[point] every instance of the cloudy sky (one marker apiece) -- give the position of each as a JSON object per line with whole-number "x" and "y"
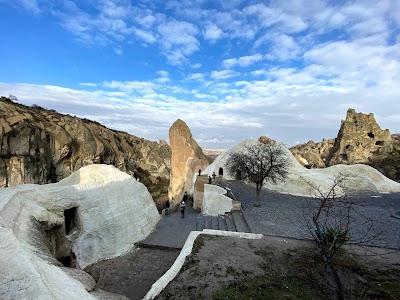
{"x": 231, "y": 69}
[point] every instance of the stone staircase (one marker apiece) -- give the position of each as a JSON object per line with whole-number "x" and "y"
{"x": 237, "y": 221}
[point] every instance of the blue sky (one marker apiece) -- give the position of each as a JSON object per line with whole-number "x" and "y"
{"x": 230, "y": 69}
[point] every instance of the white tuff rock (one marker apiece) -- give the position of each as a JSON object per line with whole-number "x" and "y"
{"x": 108, "y": 212}
{"x": 359, "y": 178}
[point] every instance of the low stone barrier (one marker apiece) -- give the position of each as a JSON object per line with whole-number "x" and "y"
{"x": 161, "y": 283}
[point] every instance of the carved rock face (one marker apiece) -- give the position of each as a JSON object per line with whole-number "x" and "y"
{"x": 312, "y": 154}
{"x": 42, "y": 146}
{"x": 360, "y": 140}
{"x": 186, "y": 160}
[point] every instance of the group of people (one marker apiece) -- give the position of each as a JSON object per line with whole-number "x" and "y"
{"x": 182, "y": 205}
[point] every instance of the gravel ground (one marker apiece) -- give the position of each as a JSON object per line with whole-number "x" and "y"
{"x": 282, "y": 214}
{"x": 133, "y": 274}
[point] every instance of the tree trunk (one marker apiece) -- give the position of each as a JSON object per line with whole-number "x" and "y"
{"x": 332, "y": 272}
{"x": 338, "y": 283}
{"x": 258, "y": 189}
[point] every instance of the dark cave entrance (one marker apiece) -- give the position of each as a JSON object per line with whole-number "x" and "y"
{"x": 221, "y": 172}
{"x": 59, "y": 237}
{"x": 68, "y": 261}
{"x": 71, "y": 220}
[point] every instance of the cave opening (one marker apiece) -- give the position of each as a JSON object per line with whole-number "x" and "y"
{"x": 343, "y": 156}
{"x": 221, "y": 172}
{"x": 71, "y": 220}
{"x": 371, "y": 135}
{"x": 379, "y": 143}
{"x": 68, "y": 261}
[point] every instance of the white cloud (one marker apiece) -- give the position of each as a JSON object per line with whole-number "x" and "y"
{"x": 141, "y": 87}
{"x": 281, "y": 46}
{"x": 212, "y": 32}
{"x": 222, "y": 74}
{"x": 196, "y": 77}
{"x": 269, "y": 17}
{"x": 178, "y": 40}
{"x": 91, "y": 84}
{"x": 258, "y": 72}
{"x": 118, "y": 51}
{"x": 31, "y": 6}
{"x": 163, "y": 73}
{"x": 234, "y": 24}
{"x": 243, "y": 61}
{"x": 144, "y": 35}
{"x": 164, "y": 77}
{"x": 111, "y": 9}
{"x": 204, "y": 96}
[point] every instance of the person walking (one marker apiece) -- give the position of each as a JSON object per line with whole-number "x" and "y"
{"x": 166, "y": 206}
{"x": 213, "y": 175}
{"x": 200, "y": 172}
{"x": 182, "y": 206}
{"x": 209, "y": 179}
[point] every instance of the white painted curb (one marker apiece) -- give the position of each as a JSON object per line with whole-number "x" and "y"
{"x": 161, "y": 283}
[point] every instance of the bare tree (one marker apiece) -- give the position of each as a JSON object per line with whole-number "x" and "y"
{"x": 259, "y": 162}
{"x": 13, "y": 98}
{"x": 333, "y": 221}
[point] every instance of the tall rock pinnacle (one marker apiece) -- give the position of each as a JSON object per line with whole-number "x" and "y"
{"x": 186, "y": 159}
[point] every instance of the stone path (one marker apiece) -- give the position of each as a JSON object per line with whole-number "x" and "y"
{"x": 282, "y": 214}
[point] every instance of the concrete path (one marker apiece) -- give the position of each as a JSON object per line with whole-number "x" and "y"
{"x": 172, "y": 230}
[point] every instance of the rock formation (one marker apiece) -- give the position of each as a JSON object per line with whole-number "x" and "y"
{"x": 312, "y": 154}
{"x": 359, "y": 178}
{"x": 186, "y": 160}
{"x": 42, "y": 146}
{"x": 97, "y": 213}
{"x": 360, "y": 140}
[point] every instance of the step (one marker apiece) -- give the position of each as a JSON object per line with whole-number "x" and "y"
{"x": 222, "y": 223}
{"x": 208, "y": 223}
{"x": 250, "y": 222}
{"x": 240, "y": 222}
{"x": 200, "y": 224}
{"x": 229, "y": 222}
{"x": 214, "y": 223}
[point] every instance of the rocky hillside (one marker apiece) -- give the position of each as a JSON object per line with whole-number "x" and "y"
{"x": 360, "y": 140}
{"x": 43, "y": 146}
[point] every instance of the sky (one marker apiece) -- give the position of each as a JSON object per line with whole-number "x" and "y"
{"x": 231, "y": 69}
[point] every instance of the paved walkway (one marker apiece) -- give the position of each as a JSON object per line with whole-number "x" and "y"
{"x": 172, "y": 230}
{"x": 282, "y": 214}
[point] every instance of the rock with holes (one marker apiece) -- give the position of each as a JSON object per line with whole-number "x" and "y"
{"x": 96, "y": 213}
{"x": 312, "y": 154}
{"x": 360, "y": 140}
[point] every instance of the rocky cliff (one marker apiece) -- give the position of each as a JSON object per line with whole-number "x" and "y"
{"x": 187, "y": 158}
{"x": 360, "y": 140}
{"x": 42, "y": 146}
{"x": 313, "y": 154}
